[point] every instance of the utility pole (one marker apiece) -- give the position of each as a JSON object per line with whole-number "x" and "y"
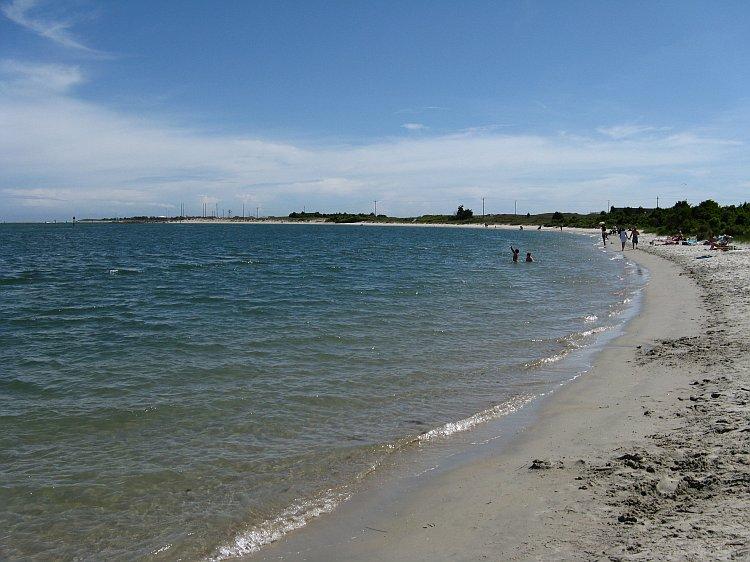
{"x": 657, "y": 201}
{"x": 376, "y": 208}
{"x": 608, "y": 207}
{"x": 257, "y": 213}
{"x": 482, "y": 206}
{"x": 243, "y": 211}
{"x": 515, "y": 207}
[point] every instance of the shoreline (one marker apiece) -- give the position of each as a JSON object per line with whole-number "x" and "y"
{"x": 445, "y": 445}
{"x": 261, "y": 222}
{"x": 496, "y": 508}
{"x": 530, "y": 227}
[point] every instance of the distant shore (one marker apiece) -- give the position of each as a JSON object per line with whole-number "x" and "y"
{"x": 529, "y": 227}
{"x": 647, "y": 456}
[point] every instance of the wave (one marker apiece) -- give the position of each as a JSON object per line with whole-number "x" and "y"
{"x": 587, "y": 333}
{"x": 570, "y": 342}
{"x": 508, "y": 407}
{"x": 546, "y": 360}
{"x": 20, "y": 386}
{"x": 294, "y": 517}
{"x": 301, "y": 512}
{"x": 21, "y": 279}
{"x": 125, "y": 271}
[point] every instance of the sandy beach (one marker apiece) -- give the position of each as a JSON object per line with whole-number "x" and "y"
{"x": 646, "y": 456}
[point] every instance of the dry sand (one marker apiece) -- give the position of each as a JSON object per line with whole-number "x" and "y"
{"x": 645, "y": 457}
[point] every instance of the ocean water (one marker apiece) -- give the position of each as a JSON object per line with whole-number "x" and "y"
{"x": 194, "y": 391}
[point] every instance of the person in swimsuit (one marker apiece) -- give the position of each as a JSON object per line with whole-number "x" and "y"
{"x": 515, "y": 251}
{"x": 528, "y": 257}
{"x": 634, "y": 237}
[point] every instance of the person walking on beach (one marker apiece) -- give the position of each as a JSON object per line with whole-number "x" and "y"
{"x": 623, "y": 237}
{"x": 515, "y": 251}
{"x": 528, "y": 257}
{"x": 604, "y": 234}
{"x": 634, "y": 237}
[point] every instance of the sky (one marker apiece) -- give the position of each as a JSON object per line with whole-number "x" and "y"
{"x": 128, "y": 108}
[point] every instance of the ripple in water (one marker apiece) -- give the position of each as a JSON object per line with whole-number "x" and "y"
{"x": 196, "y": 391}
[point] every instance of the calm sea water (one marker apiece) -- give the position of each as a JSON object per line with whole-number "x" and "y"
{"x": 186, "y": 391}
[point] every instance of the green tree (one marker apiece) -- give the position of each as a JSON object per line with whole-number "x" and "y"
{"x": 463, "y": 214}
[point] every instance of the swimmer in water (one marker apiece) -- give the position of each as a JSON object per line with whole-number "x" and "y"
{"x": 528, "y": 257}
{"x": 515, "y": 251}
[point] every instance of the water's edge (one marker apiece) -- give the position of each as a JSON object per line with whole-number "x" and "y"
{"x": 488, "y": 432}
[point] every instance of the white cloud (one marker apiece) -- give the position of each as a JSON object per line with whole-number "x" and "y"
{"x": 27, "y": 13}
{"x": 625, "y": 131}
{"x": 414, "y": 126}
{"x": 61, "y": 156}
{"x": 32, "y": 78}
{"x": 411, "y": 110}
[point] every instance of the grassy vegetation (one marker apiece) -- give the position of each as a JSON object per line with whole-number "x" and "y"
{"x": 343, "y": 218}
{"x": 704, "y": 220}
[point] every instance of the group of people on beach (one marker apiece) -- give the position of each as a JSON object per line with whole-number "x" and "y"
{"x": 620, "y": 231}
{"x": 517, "y": 251}
{"x": 623, "y": 235}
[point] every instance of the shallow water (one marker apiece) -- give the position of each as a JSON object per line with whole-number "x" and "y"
{"x": 167, "y": 389}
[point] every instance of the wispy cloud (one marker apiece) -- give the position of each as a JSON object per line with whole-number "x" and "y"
{"x": 414, "y": 126}
{"x": 61, "y": 155}
{"x": 625, "y": 131}
{"x": 35, "y": 78}
{"x": 29, "y": 14}
{"x": 424, "y": 109}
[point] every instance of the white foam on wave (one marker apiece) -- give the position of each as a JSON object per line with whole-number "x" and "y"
{"x": 593, "y": 331}
{"x": 572, "y": 341}
{"x": 302, "y": 512}
{"x": 267, "y": 532}
{"x": 124, "y": 271}
{"x": 512, "y": 405}
{"x": 551, "y": 359}
{"x": 591, "y": 318}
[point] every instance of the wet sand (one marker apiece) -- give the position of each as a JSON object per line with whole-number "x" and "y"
{"x": 646, "y": 456}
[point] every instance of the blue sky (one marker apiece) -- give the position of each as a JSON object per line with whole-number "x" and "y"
{"x": 119, "y": 108}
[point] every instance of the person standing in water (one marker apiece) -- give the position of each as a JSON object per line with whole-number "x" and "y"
{"x": 604, "y": 234}
{"x": 515, "y": 251}
{"x": 528, "y": 257}
{"x": 623, "y": 237}
{"x": 634, "y": 237}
